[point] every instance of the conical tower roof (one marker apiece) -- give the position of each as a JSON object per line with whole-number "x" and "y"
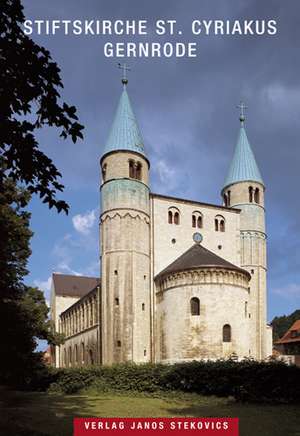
{"x": 124, "y": 133}
{"x": 243, "y": 166}
{"x": 199, "y": 257}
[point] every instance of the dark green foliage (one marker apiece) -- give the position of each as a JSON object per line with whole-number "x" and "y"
{"x": 23, "y": 310}
{"x": 281, "y": 324}
{"x": 246, "y": 381}
{"x": 29, "y": 100}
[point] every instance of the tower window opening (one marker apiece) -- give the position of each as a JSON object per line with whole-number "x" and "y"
{"x": 131, "y": 169}
{"x": 170, "y": 217}
{"x": 226, "y": 333}
{"x": 246, "y": 309}
{"x": 219, "y": 223}
{"x": 119, "y": 343}
{"x": 216, "y": 225}
{"x": 228, "y": 198}
{"x": 117, "y": 301}
{"x": 145, "y": 277}
{"x": 222, "y": 226}
{"x": 193, "y": 221}
{"x": 143, "y": 306}
{"x": 145, "y": 352}
{"x": 199, "y": 222}
{"x": 195, "y": 306}
{"x": 116, "y": 272}
{"x": 225, "y": 199}
{"x": 176, "y": 218}
{"x": 138, "y": 172}
{"x": 173, "y": 241}
{"x": 250, "y": 194}
{"x": 256, "y": 195}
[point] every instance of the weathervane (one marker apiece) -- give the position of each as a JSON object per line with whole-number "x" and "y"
{"x": 124, "y": 68}
{"x": 242, "y": 108}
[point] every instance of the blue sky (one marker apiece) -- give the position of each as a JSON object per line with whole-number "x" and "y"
{"x": 186, "y": 109}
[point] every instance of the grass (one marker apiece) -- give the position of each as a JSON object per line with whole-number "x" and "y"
{"x": 37, "y": 414}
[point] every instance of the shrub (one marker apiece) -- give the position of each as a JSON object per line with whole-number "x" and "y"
{"x": 246, "y": 381}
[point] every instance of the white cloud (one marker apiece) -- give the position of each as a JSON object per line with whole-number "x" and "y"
{"x": 165, "y": 172}
{"x": 289, "y": 291}
{"x": 83, "y": 223}
{"x": 45, "y": 285}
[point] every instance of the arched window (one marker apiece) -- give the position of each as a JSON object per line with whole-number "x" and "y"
{"x": 65, "y": 357}
{"x": 222, "y": 225}
{"x": 176, "y": 218}
{"x": 91, "y": 357}
{"x": 76, "y": 354}
{"x": 199, "y": 222}
{"x": 70, "y": 356}
{"x": 250, "y": 194}
{"x": 195, "y": 306}
{"x": 138, "y": 172}
{"x": 131, "y": 169}
{"x": 256, "y": 195}
{"x": 194, "y": 219}
{"x": 228, "y": 198}
{"x": 82, "y": 352}
{"x": 216, "y": 224}
{"x": 226, "y": 333}
{"x": 170, "y": 217}
{"x": 219, "y": 223}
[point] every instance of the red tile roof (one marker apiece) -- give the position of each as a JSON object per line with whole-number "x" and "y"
{"x": 73, "y": 286}
{"x": 288, "y": 336}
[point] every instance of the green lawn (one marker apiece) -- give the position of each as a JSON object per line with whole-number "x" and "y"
{"x": 44, "y": 414}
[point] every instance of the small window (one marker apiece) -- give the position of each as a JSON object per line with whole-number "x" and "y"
{"x": 176, "y": 218}
{"x": 256, "y": 196}
{"x": 170, "y": 217}
{"x": 219, "y": 224}
{"x": 194, "y": 221}
{"x": 222, "y": 226}
{"x": 250, "y": 194}
{"x": 225, "y": 200}
{"x": 138, "y": 172}
{"x": 119, "y": 343}
{"x": 143, "y": 306}
{"x": 82, "y": 352}
{"x": 246, "y": 309}
{"x": 145, "y": 352}
{"x": 195, "y": 306}
{"x": 199, "y": 222}
{"x": 131, "y": 169}
{"x": 216, "y": 224}
{"x": 228, "y": 198}
{"x": 226, "y": 333}
{"x": 117, "y": 301}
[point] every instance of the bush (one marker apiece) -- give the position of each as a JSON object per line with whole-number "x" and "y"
{"x": 246, "y": 381}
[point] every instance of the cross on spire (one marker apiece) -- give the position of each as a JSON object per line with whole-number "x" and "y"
{"x": 124, "y": 69}
{"x": 242, "y": 108}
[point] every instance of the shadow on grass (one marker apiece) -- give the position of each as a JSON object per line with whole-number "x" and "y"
{"x": 254, "y": 419}
{"x": 41, "y": 414}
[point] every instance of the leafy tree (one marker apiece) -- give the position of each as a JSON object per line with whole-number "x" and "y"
{"x": 281, "y": 324}
{"x": 29, "y": 85}
{"x": 23, "y": 310}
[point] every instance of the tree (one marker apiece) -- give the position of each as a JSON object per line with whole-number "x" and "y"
{"x": 23, "y": 310}
{"x": 281, "y": 324}
{"x": 29, "y": 85}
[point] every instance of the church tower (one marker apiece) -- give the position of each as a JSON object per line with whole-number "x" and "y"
{"x": 244, "y": 189}
{"x": 125, "y": 241}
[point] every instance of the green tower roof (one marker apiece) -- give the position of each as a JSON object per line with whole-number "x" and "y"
{"x": 243, "y": 166}
{"x": 124, "y": 133}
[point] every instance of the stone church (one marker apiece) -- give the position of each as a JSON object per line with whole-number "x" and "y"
{"x": 180, "y": 279}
